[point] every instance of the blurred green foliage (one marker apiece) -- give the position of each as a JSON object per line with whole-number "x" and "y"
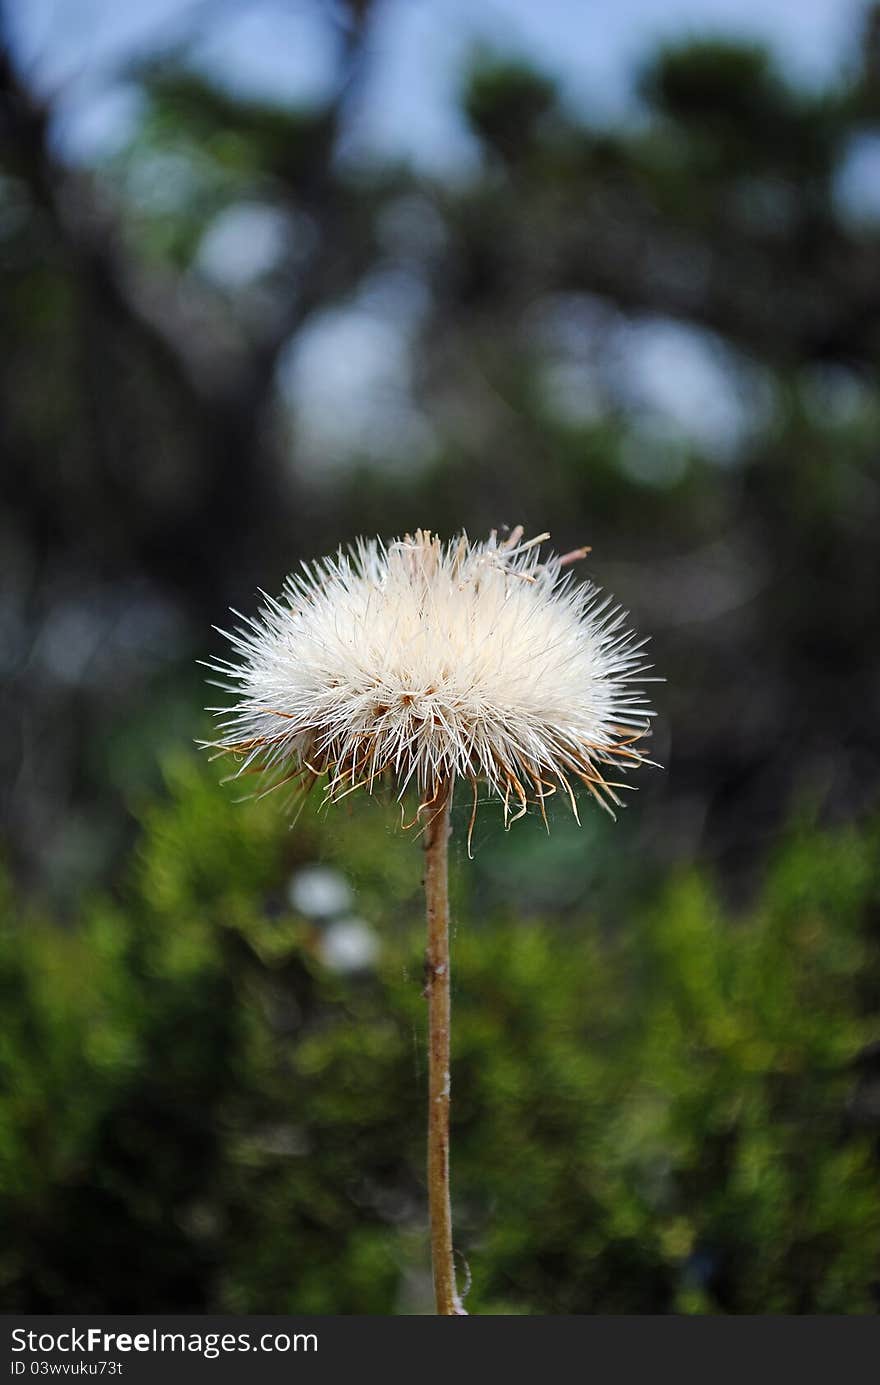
{"x": 661, "y": 1109}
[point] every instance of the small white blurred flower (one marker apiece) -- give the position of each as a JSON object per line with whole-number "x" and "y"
{"x": 349, "y": 945}
{"x": 428, "y": 662}
{"x": 319, "y": 892}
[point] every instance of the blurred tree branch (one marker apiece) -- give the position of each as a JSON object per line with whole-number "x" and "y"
{"x": 221, "y": 392}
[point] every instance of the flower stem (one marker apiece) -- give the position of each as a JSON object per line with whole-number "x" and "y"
{"x": 437, "y": 995}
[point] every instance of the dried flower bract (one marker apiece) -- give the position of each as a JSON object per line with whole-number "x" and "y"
{"x": 428, "y": 662}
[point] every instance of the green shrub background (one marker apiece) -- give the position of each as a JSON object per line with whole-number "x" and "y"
{"x": 657, "y": 1102}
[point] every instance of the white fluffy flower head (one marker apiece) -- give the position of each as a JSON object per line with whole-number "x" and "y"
{"x": 428, "y": 662}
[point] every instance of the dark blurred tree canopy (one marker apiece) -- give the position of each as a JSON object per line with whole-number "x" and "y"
{"x": 157, "y": 471}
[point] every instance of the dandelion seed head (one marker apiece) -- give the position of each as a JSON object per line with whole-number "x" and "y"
{"x": 428, "y": 662}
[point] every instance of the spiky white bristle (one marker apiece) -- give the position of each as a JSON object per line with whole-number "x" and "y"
{"x": 432, "y": 662}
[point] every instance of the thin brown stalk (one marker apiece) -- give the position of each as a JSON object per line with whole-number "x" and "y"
{"x": 437, "y": 994}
